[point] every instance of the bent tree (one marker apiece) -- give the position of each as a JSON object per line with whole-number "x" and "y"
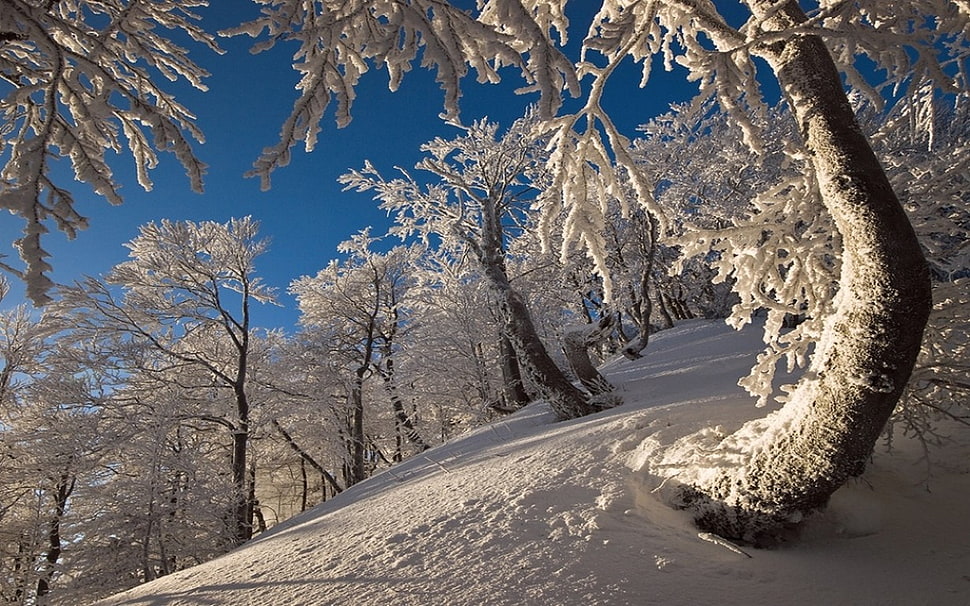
{"x": 480, "y": 195}
{"x": 70, "y": 88}
{"x": 868, "y": 345}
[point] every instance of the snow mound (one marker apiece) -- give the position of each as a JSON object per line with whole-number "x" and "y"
{"x": 528, "y": 511}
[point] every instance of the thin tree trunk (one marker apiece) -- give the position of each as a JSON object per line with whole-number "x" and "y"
{"x": 644, "y": 306}
{"x": 401, "y": 418}
{"x": 304, "y": 486}
{"x": 305, "y": 457}
{"x": 869, "y": 345}
{"x": 357, "y": 470}
{"x": 65, "y": 486}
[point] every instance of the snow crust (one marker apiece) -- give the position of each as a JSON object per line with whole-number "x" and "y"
{"x": 528, "y": 511}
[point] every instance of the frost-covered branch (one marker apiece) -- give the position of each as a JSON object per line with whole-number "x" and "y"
{"x": 77, "y": 80}
{"x": 341, "y": 41}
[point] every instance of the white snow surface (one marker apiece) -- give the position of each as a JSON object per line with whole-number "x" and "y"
{"x": 526, "y": 511}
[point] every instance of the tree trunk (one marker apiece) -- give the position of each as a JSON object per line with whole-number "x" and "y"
{"x": 242, "y": 514}
{"x": 402, "y": 420}
{"x": 643, "y": 307}
{"x": 828, "y": 430}
{"x": 513, "y": 385}
{"x": 242, "y": 528}
{"x": 567, "y": 401}
{"x": 357, "y": 471}
{"x": 65, "y": 486}
{"x": 306, "y": 458}
{"x": 668, "y": 322}
{"x": 576, "y": 344}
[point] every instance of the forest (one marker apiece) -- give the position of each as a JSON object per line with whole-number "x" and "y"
{"x": 147, "y": 424}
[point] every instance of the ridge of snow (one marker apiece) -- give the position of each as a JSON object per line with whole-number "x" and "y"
{"x": 528, "y": 511}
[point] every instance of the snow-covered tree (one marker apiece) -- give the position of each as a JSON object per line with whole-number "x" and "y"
{"x": 51, "y": 444}
{"x": 187, "y": 294}
{"x": 868, "y": 343}
{"x": 454, "y": 345}
{"x": 159, "y": 500}
{"x": 483, "y": 184}
{"x": 79, "y": 79}
{"x": 353, "y": 309}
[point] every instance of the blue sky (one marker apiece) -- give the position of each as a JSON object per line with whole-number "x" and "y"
{"x": 305, "y": 214}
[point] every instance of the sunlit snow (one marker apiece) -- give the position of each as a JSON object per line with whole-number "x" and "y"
{"x": 527, "y": 511}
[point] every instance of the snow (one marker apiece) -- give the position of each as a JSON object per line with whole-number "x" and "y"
{"x": 528, "y": 511}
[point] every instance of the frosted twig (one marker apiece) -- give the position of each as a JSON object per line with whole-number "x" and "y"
{"x": 717, "y": 540}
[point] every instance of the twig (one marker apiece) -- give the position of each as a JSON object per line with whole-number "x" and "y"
{"x": 717, "y": 540}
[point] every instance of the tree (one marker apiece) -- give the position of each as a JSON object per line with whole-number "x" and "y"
{"x": 867, "y": 346}
{"x": 50, "y": 443}
{"x": 78, "y": 79}
{"x": 453, "y": 339}
{"x": 482, "y": 194}
{"x": 187, "y": 294}
{"x": 355, "y": 304}
{"x": 870, "y": 341}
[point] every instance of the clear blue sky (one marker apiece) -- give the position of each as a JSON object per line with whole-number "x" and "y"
{"x": 305, "y": 213}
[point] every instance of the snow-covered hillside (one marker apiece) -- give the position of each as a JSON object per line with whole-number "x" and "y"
{"x": 529, "y": 512}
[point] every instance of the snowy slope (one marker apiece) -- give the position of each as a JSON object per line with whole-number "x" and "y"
{"x": 526, "y": 511}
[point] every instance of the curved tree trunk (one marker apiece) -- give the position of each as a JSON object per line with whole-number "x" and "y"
{"x": 576, "y": 344}
{"x": 643, "y": 307}
{"x": 514, "y": 387}
{"x": 566, "y": 400}
{"x": 867, "y": 351}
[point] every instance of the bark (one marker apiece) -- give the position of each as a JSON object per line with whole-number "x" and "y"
{"x": 255, "y": 512}
{"x": 566, "y": 400}
{"x": 356, "y": 469}
{"x": 642, "y": 306}
{"x": 402, "y": 420}
{"x": 243, "y": 512}
{"x": 668, "y": 322}
{"x": 870, "y": 343}
{"x": 403, "y": 423}
{"x": 576, "y": 344}
{"x": 515, "y": 393}
{"x": 65, "y": 486}
{"x": 242, "y": 528}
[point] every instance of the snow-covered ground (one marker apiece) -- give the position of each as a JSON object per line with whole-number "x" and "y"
{"x": 529, "y": 512}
